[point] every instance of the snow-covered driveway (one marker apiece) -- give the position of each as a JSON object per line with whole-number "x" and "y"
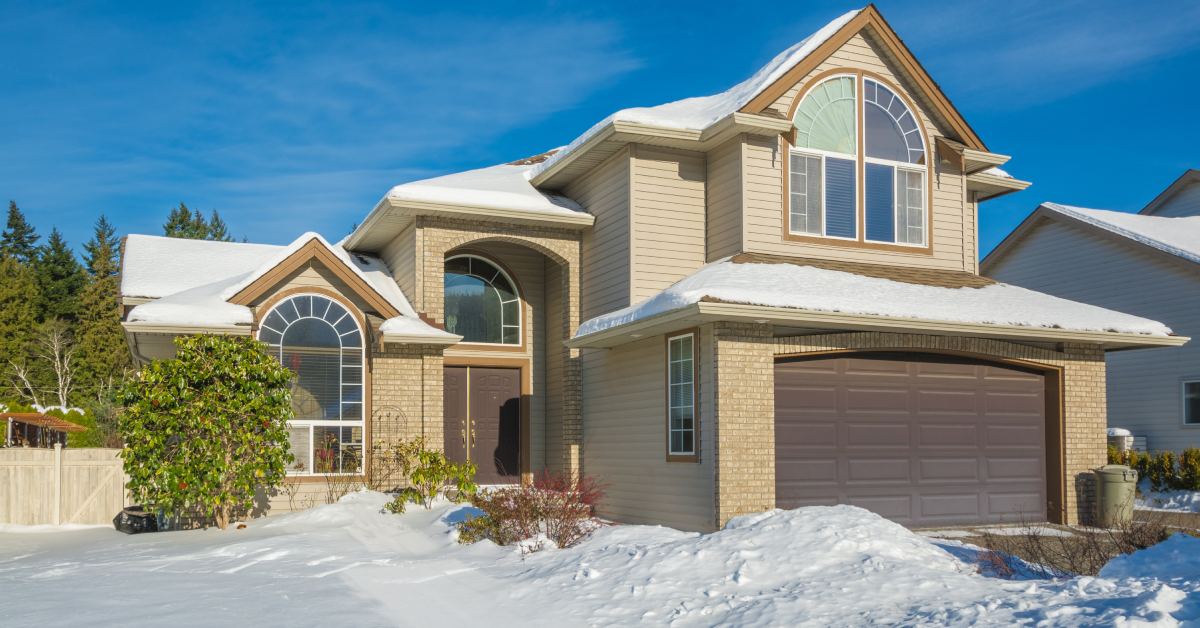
{"x": 346, "y": 564}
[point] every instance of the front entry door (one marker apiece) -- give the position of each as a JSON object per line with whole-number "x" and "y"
{"x": 482, "y": 409}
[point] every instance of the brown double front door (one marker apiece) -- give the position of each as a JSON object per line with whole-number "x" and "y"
{"x": 482, "y": 412}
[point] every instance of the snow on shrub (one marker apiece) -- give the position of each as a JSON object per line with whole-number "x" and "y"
{"x": 557, "y": 510}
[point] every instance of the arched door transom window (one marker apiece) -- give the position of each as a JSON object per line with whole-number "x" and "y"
{"x": 320, "y": 341}
{"x": 482, "y": 302}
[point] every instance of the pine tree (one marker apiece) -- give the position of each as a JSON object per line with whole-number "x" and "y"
{"x": 18, "y": 310}
{"x": 217, "y": 229}
{"x": 19, "y": 240}
{"x": 60, "y": 279}
{"x": 103, "y": 356}
{"x": 102, "y": 249}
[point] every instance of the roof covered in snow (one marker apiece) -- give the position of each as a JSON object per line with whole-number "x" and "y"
{"x": 505, "y": 186}
{"x": 811, "y": 288}
{"x": 1177, "y": 236}
{"x": 192, "y": 282}
{"x": 701, "y": 112}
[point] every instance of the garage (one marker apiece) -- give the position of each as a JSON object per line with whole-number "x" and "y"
{"x": 922, "y": 439}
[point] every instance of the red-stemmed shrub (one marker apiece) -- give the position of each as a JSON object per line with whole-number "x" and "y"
{"x": 557, "y": 508}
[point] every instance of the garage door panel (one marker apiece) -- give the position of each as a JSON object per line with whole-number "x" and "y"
{"x": 877, "y": 434}
{"x": 947, "y": 435}
{"x": 948, "y": 469}
{"x": 923, "y": 442}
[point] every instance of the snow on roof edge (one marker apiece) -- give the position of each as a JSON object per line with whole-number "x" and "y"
{"x": 823, "y": 290}
{"x": 709, "y": 109}
{"x": 1091, "y": 217}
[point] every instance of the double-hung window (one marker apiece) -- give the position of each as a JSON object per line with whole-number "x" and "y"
{"x": 829, "y": 147}
{"x": 681, "y": 397}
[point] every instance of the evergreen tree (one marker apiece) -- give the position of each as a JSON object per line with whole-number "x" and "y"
{"x": 217, "y": 229}
{"x": 19, "y": 240}
{"x": 60, "y": 279}
{"x": 103, "y": 356}
{"x": 18, "y": 310}
{"x": 102, "y": 249}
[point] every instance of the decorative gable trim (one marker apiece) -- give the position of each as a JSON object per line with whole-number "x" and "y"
{"x": 869, "y": 19}
{"x": 312, "y": 251}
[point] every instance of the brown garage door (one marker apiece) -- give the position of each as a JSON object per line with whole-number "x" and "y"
{"x": 921, "y": 440}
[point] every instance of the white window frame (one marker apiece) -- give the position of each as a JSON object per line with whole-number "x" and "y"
{"x": 309, "y": 469}
{"x": 516, "y": 290}
{"x": 823, "y": 155}
{"x": 908, "y": 167}
{"x": 694, "y": 454}
{"x": 1183, "y": 395}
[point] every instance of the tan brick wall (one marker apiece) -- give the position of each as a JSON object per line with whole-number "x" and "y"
{"x": 438, "y": 236}
{"x": 406, "y": 393}
{"x": 1082, "y": 383}
{"x": 743, "y": 365}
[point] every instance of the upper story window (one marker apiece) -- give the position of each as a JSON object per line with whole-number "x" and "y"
{"x": 320, "y": 341}
{"x": 832, "y": 150}
{"x": 482, "y": 303}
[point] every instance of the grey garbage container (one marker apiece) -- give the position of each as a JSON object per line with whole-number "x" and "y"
{"x": 1116, "y": 485}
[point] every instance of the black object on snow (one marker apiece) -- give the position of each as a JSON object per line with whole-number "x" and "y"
{"x": 135, "y": 520}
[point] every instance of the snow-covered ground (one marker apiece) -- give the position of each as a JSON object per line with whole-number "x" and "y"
{"x": 1169, "y": 501}
{"x": 347, "y": 564}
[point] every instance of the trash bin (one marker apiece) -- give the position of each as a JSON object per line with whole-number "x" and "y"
{"x": 135, "y": 520}
{"x": 1116, "y": 485}
{"x": 1120, "y": 438}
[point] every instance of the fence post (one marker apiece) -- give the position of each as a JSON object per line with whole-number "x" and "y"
{"x": 58, "y": 469}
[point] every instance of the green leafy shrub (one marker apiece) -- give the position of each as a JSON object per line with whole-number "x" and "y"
{"x": 426, "y": 473}
{"x": 1115, "y": 456}
{"x": 558, "y": 508}
{"x": 205, "y": 430}
{"x": 1161, "y": 471}
{"x": 1189, "y": 469}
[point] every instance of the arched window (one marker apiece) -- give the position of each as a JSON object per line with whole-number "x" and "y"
{"x": 824, "y": 164}
{"x": 319, "y": 340}
{"x": 482, "y": 303}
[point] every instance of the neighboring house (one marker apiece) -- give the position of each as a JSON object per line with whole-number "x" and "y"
{"x": 767, "y": 297}
{"x": 1147, "y": 264}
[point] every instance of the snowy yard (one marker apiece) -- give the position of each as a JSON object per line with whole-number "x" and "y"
{"x": 346, "y": 564}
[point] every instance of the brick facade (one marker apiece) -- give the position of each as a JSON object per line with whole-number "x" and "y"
{"x": 743, "y": 365}
{"x": 437, "y": 236}
{"x": 406, "y": 393}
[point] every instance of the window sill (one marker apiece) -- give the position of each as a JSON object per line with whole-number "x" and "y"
{"x": 926, "y": 249}
{"x": 683, "y": 457}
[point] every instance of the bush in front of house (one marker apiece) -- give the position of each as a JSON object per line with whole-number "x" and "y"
{"x": 557, "y": 508}
{"x": 1163, "y": 469}
{"x": 207, "y": 429}
{"x": 426, "y": 473}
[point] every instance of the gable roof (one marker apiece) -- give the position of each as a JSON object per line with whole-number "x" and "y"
{"x": 753, "y": 95}
{"x": 1177, "y": 237}
{"x": 210, "y": 285}
{"x": 1189, "y": 177}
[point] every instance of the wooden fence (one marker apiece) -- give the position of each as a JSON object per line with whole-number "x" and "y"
{"x": 56, "y": 486}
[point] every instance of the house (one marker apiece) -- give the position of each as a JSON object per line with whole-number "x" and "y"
{"x": 1147, "y": 264}
{"x": 765, "y": 297}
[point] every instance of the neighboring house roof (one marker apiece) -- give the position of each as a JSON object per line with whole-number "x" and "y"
{"x": 1189, "y": 177}
{"x": 205, "y": 285}
{"x": 1178, "y": 237}
{"x": 821, "y": 296}
{"x": 42, "y": 420}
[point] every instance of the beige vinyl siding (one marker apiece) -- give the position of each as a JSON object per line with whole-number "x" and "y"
{"x": 605, "y": 266}
{"x": 668, "y": 211}
{"x": 763, "y": 165}
{"x": 1144, "y": 385}
{"x": 1185, "y": 202}
{"x": 624, "y": 438}
{"x": 724, "y": 200}
{"x": 400, "y": 255}
{"x": 527, "y": 269}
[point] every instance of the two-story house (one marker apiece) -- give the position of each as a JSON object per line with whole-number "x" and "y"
{"x": 1146, "y": 263}
{"x": 763, "y": 298}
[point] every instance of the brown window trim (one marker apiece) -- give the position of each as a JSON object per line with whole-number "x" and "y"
{"x": 667, "y": 338}
{"x": 787, "y": 140}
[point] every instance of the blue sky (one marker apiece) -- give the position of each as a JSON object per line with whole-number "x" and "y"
{"x": 287, "y": 117}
